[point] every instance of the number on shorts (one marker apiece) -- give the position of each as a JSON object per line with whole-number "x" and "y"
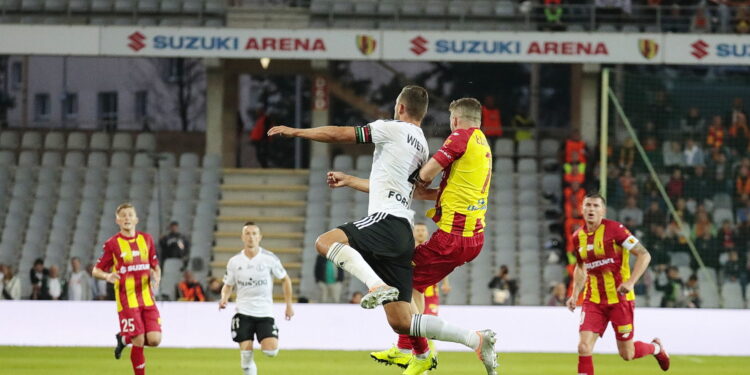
{"x": 236, "y": 323}
{"x": 127, "y": 325}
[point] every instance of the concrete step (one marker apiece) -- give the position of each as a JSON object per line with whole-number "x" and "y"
{"x": 262, "y": 207}
{"x": 264, "y": 192}
{"x": 233, "y": 176}
{"x": 271, "y": 240}
{"x": 266, "y": 223}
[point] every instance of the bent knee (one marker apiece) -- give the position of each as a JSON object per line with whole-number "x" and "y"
{"x": 323, "y": 243}
{"x": 584, "y": 349}
{"x": 155, "y": 342}
{"x": 271, "y": 353}
{"x": 401, "y": 326}
{"x": 627, "y": 355}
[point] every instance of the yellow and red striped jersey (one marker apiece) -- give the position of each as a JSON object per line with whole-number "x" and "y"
{"x": 461, "y": 204}
{"x": 605, "y": 254}
{"x": 431, "y": 300}
{"x": 132, "y": 258}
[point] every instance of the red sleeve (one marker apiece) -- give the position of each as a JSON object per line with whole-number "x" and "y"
{"x": 105, "y": 261}
{"x": 576, "y": 247}
{"x": 619, "y": 232}
{"x": 154, "y": 261}
{"x": 454, "y": 147}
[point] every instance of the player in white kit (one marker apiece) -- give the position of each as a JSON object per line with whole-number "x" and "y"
{"x": 252, "y": 272}
{"x": 378, "y": 248}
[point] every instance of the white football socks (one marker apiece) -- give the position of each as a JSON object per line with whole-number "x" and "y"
{"x": 657, "y": 348}
{"x": 247, "y": 363}
{"x": 345, "y": 257}
{"x": 432, "y": 327}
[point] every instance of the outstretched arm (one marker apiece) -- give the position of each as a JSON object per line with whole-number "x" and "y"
{"x": 326, "y": 134}
{"x": 430, "y": 170}
{"x": 338, "y": 179}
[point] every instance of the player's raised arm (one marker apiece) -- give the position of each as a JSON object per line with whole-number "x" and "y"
{"x": 337, "y": 179}
{"x": 325, "y": 134}
{"x": 643, "y": 258}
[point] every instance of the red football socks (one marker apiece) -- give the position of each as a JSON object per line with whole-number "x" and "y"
{"x": 138, "y": 360}
{"x": 404, "y": 342}
{"x": 585, "y": 365}
{"x": 643, "y": 349}
{"x": 419, "y": 344}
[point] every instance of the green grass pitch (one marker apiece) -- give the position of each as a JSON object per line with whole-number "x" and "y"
{"x": 166, "y": 361}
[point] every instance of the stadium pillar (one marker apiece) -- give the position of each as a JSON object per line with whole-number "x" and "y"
{"x": 221, "y": 111}
{"x": 321, "y": 104}
{"x": 584, "y": 99}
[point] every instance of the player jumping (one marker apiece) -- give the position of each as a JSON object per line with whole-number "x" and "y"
{"x": 252, "y": 272}
{"x": 602, "y": 251}
{"x": 378, "y": 248}
{"x": 131, "y": 257}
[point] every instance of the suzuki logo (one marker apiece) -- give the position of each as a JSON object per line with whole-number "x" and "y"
{"x": 418, "y": 45}
{"x": 700, "y": 49}
{"x": 136, "y": 41}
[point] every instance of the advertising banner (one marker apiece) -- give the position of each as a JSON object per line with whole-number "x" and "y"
{"x": 523, "y": 47}
{"x": 241, "y": 43}
{"x": 700, "y": 49}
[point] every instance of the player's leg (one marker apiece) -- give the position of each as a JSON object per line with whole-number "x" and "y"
{"x": 401, "y": 353}
{"x": 334, "y": 245}
{"x": 137, "y": 358}
{"x": 268, "y": 336}
{"x": 243, "y": 330}
{"x": 586, "y": 341}
{"x": 419, "y": 345}
{"x": 152, "y": 324}
{"x": 247, "y": 363}
{"x": 622, "y": 324}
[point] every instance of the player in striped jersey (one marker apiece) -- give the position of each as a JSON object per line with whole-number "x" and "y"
{"x": 129, "y": 262}
{"x": 603, "y": 248}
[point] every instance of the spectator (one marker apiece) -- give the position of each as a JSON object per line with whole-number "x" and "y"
{"x": 661, "y": 110}
{"x": 78, "y": 283}
{"x": 523, "y": 124}
{"x": 54, "y": 283}
{"x": 743, "y": 213}
{"x": 702, "y": 225}
{"x": 39, "y": 281}
{"x": 492, "y": 123}
{"x": 174, "y": 245}
{"x": 651, "y": 147}
{"x": 627, "y": 181}
{"x": 654, "y": 215}
{"x": 575, "y": 145}
{"x": 733, "y": 269}
{"x": 693, "y": 124}
{"x": 356, "y": 298}
{"x": 98, "y": 287}
{"x": 742, "y": 184}
{"x": 701, "y": 21}
{"x": 672, "y": 286}
{"x": 574, "y": 172}
{"x": 697, "y": 187}
{"x": 189, "y": 289}
{"x": 503, "y": 287}
{"x": 738, "y": 108}
{"x": 574, "y": 196}
{"x": 693, "y": 154}
{"x": 739, "y": 134}
{"x": 742, "y": 20}
{"x": 631, "y": 212}
{"x": 672, "y": 154}
{"x": 692, "y": 292}
{"x": 627, "y": 154}
{"x": 708, "y": 250}
{"x": 558, "y": 295}
{"x": 659, "y": 245}
{"x": 615, "y": 194}
{"x": 213, "y": 292}
{"x": 329, "y": 279}
{"x": 716, "y": 133}
{"x": 11, "y": 285}
{"x": 676, "y": 185}
{"x": 259, "y": 137}
{"x": 726, "y": 236}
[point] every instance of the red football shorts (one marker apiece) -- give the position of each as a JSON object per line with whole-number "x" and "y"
{"x": 137, "y": 321}
{"x": 594, "y": 318}
{"x": 440, "y": 255}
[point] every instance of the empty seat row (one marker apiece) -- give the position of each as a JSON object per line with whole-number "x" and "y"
{"x": 430, "y": 8}
{"x": 53, "y": 140}
{"x": 121, "y": 6}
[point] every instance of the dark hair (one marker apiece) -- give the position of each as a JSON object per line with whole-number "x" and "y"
{"x": 597, "y": 195}
{"x": 252, "y": 223}
{"x": 38, "y": 261}
{"x": 420, "y": 223}
{"x": 415, "y": 99}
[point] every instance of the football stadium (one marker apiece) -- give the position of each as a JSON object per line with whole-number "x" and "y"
{"x": 374, "y": 187}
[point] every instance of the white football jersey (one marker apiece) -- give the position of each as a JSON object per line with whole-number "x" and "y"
{"x": 253, "y": 281}
{"x": 400, "y": 150}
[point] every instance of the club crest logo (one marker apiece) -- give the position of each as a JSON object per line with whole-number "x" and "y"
{"x": 366, "y": 44}
{"x": 648, "y": 47}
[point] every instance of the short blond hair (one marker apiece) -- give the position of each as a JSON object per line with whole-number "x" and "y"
{"x": 467, "y": 109}
{"x": 124, "y": 206}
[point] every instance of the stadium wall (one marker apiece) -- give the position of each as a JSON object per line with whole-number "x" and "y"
{"x": 348, "y": 327}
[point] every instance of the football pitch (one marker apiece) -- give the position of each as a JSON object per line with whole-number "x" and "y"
{"x": 166, "y": 361}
